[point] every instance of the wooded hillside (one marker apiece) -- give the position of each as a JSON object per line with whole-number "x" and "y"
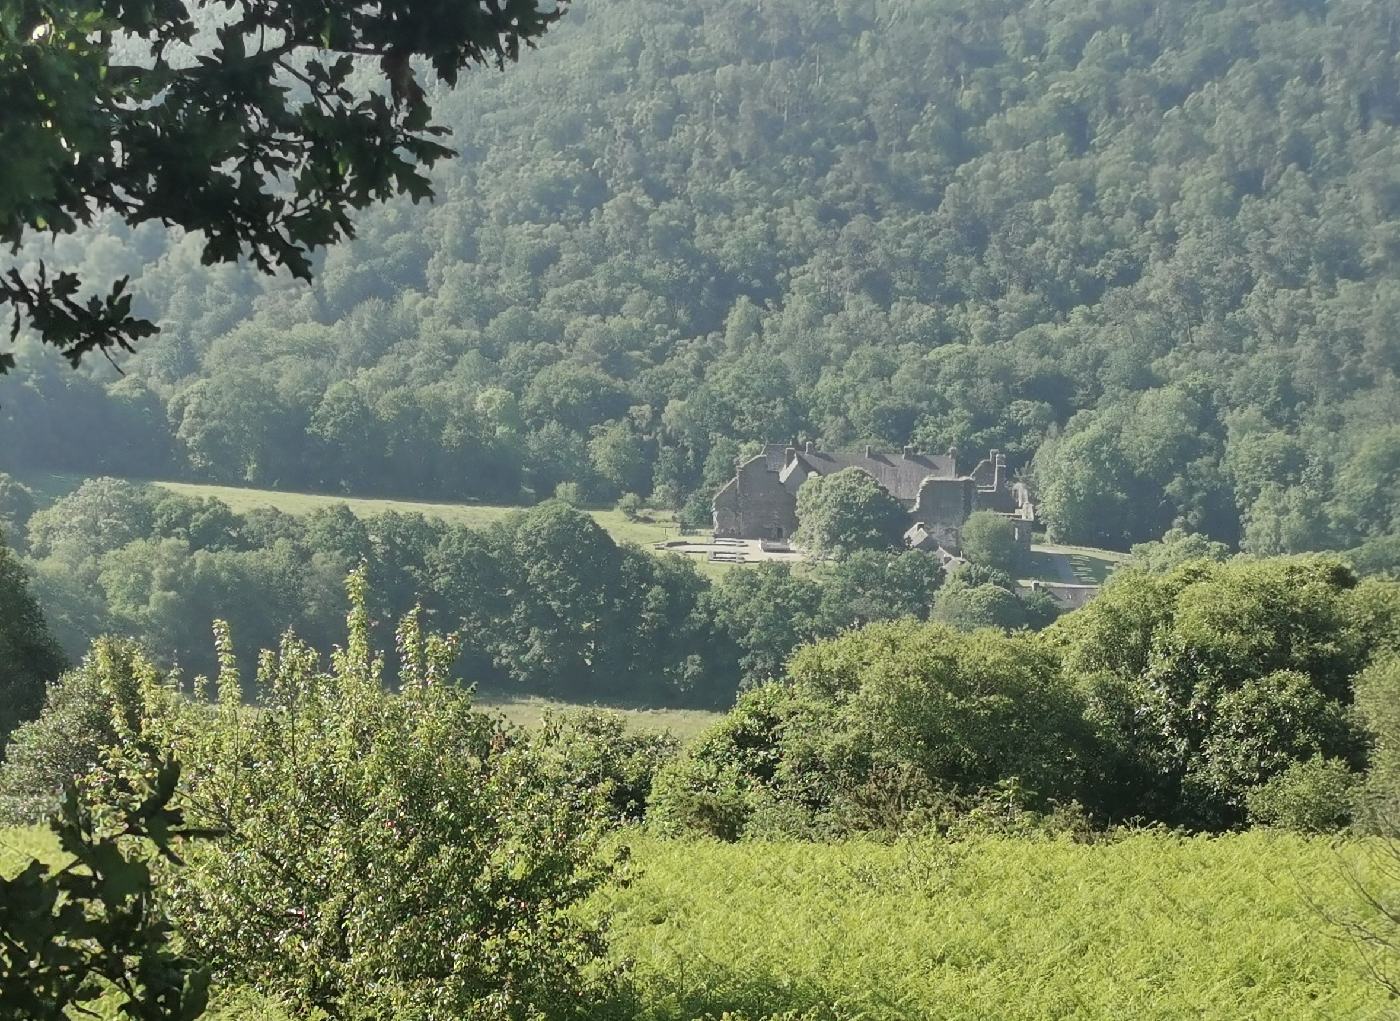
{"x": 1149, "y": 250}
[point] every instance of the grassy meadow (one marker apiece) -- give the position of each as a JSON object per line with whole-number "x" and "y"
{"x": 528, "y": 712}
{"x": 1150, "y": 927}
{"x": 1077, "y": 565}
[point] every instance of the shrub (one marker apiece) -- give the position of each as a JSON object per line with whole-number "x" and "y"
{"x": 882, "y": 729}
{"x": 1209, "y": 680}
{"x": 1378, "y": 701}
{"x": 970, "y": 607}
{"x": 630, "y": 506}
{"x": 389, "y": 855}
{"x": 716, "y": 785}
{"x": 1314, "y": 796}
{"x": 570, "y": 493}
{"x": 596, "y": 750}
{"x": 72, "y": 731}
{"x": 699, "y": 796}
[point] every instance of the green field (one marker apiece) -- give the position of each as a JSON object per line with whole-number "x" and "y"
{"x": 528, "y": 712}
{"x": 1076, "y": 565}
{"x": 1151, "y": 927}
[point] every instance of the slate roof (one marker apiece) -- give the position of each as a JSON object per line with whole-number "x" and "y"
{"x": 901, "y": 474}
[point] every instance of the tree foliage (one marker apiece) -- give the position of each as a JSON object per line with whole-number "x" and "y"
{"x": 29, "y": 656}
{"x": 260, "y": 126}
{"x": 72, "y": 732}
{"x": 847, "y": 511}
{"x": 989, "y": 539}
{"x": 93, "y": 932}
{"x": 1210, "y": 696}
{"x": 1143, "y": 251}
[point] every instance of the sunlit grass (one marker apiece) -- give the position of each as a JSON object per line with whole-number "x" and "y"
{"x": 528, "y": 712}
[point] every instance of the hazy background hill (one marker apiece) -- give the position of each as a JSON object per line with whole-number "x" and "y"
{"x": 1150, "y": 250}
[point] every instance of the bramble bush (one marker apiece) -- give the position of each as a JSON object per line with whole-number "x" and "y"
{"x": 595, "y": 750}
{"x": 878, "y": 728}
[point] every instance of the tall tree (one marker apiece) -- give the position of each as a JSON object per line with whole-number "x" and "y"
{"x": 29, "y": 657}
{"x": 847, "y": 511}
{"x": 254, "y": 122}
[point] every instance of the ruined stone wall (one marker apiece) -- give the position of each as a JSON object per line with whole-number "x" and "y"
{"x": 942, "y": 507}
{"x": 727, "y": 523}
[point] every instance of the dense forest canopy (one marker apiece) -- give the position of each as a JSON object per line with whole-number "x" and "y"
{"x": 1149, "y": 250}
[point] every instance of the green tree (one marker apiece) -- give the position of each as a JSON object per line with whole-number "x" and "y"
{"x": 619, "y": 458}
{"x": 1175, "y": 548}
{"x": 150, "y": 130}
{"x": 989, "y": 539}
{"x": 1208, "y": 681}
{"x": 968, "y": 607}
{"x": 764, "y": 612}
{"x": 846, "y": 511}
{"x": 17, "y": 506}
{"x": 29, "y": 657}
{"x": 872, "y": 585}
{"x": 880, "y": 727}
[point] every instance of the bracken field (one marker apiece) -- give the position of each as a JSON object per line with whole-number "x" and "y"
{"x": 1151, "y": 926}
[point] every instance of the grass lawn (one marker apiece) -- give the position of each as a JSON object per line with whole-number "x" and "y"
{"x": 1073, "y": 564}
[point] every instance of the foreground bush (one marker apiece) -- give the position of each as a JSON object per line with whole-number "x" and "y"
{"x": 1210, "y": 680}
{"x": 597, "y": 750}
{"x": 388, "y": 855}
{"x": 71, "y": 732}
{"x": 1207, "y": 696}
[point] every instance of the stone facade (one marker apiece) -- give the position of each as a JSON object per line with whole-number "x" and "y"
{"x": 760, "y": 502}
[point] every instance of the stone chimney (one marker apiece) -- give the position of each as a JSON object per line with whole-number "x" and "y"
{"x": 869, "y": 452}
{"x": 908, "y": 453}
{"x": 789, "y": 454}
{"x": 807, "y": 447}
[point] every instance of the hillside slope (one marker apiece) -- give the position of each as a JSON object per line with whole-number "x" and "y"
{"x": 1150, "y": 249}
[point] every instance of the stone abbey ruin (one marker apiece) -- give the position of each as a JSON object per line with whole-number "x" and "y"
{"x": 760, "y": 502}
